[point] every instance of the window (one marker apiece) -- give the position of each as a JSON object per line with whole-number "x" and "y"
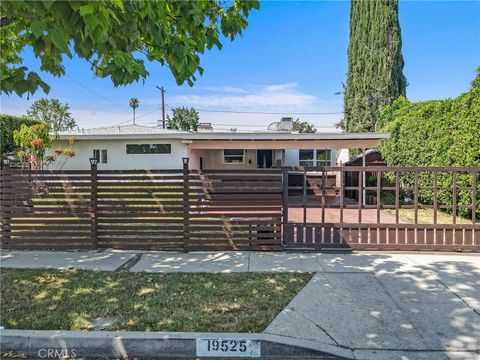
{"x": 324, "y": 157}
{"x": 306, "y": 158}
{"x": 149, "y": 148}
{"x": 96, "y": 155}
{"x": 233, "y": 156}
{"x": 104, "y": 156}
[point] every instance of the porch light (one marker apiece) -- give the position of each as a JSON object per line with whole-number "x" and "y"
{"x": 93, "y": 161}
{"x": 185, "y": 160}
{"x": 6, "y": 161}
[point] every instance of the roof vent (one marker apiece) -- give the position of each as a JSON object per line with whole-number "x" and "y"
{"x": 285, "y": 124}
{"x": 204, "y": 127}
{"x": 233, "y": 129}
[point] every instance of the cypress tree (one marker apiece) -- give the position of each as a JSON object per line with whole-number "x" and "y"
{"x": 375, "y": 62}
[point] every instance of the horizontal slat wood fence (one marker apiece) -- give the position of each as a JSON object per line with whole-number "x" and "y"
{"x": 46, "y": 210}
{"x": 141, "y": 209}
{"x": 235, "y": 209}
{"x": 290, "y": 208}
{"x": 367, "y": 208}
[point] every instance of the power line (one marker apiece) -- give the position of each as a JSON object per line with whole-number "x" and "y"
{"x": 93, "y": 91}
{"x": 267, "y": 112}
{"x": 138, "y": 117}
{"x": 263, "y": 126}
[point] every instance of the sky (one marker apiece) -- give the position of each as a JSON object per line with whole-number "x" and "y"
{"x": 290, "y": 61}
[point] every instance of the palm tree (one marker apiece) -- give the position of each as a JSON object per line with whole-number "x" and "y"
{"x": 134, "y": 104}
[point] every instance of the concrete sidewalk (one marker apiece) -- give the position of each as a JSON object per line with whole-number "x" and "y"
{"x": 377, "y": 305}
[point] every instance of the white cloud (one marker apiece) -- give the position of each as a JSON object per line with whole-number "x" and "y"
{"x": 225, "y": 89}
{"x": 283, "y": 99}
{"x": 254, "y": 98}
{"x": 280, "y": 87}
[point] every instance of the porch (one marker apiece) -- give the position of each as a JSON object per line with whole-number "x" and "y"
{"x": 264, "y": 150}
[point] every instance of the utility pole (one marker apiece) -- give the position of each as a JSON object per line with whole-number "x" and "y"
{"x": 163, "y": 104}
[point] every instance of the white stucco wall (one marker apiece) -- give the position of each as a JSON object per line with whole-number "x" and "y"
{"x": 118, "y": 159}
{"x": 343, "y": 156}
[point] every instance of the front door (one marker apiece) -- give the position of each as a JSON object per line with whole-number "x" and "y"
{"x": 264, "y": 159}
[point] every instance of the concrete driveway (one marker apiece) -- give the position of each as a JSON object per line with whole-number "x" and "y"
{"x": 374, "y": 306}
{"x": 395, "y": 306}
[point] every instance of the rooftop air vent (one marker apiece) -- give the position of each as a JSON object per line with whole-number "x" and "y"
{"x": 204, "y": 127}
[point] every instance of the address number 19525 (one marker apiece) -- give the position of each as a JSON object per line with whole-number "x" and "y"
{"x": 228, "y": 347}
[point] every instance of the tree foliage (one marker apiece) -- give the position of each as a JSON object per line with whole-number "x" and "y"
{"x": 375, "y": 62}
{"x": 435, "y": 133}
{"x": 303, "y": 127}
{"x": 134, "y": 103}
{"x": 116, "y": 37}
{"x": 184, "y": 119}
{"x": 8, "y": 124}
{"x": 55, "y": 113}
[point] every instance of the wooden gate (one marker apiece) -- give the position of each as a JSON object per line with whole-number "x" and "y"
{"x": 382, "y": 208}
{"x": 235, "y": 210}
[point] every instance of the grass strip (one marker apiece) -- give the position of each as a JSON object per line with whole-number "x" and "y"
{"x": 205, "y": 302}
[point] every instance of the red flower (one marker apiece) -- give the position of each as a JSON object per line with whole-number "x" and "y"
{"x": 37, "y": 142}
{"x": 32, "y": 159}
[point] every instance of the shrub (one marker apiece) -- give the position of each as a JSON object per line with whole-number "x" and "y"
{"x": 435, "y": 133}
{"x": 9, "y": 123}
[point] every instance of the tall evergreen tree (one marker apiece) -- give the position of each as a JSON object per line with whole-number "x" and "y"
{"x": 375, "y": 62}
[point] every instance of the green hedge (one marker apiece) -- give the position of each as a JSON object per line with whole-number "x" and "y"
{"x": 9, "y": 123}
{"x": 435, "y": 133}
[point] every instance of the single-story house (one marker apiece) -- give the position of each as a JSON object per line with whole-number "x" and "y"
{"x": 143, "y": 147}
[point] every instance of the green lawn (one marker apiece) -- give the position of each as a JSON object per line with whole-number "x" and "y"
{"x": 425, "y": 216}
{"x": 72, "y": 299}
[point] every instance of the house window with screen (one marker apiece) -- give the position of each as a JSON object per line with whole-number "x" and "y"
{"x": 104, "y": 156}
{"x": 149, "y": 148}
{"x": 96, "y": 155}
{"x": 306, "y": 158}
{"x": 233, "y": 156}
{"x": 324, "y": 157}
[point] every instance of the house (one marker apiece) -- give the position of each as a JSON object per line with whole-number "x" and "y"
{"x": 142, "y": 147}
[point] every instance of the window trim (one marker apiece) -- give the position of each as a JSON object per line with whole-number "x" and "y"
{"x": 234, "y": 163}
{"x": 327, "y": 161}
{"x": 96, "y": 155}
{"x": 104, "y": 156}
{"x": 309, "y": 162}
{"x": 147, "y": 153}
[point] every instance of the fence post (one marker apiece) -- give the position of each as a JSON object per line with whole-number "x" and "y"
{"x": 93, "y": 206}
{"x": 186, "y": 205}
{"x": 6, "y": 216}
{"x": 284, "y": 205}
{"x": 474, "y": 197}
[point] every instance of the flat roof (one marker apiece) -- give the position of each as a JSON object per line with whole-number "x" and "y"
{"x": 148, "y": 132}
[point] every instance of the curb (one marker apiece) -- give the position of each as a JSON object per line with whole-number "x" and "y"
{"x": 152, "y": 344}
